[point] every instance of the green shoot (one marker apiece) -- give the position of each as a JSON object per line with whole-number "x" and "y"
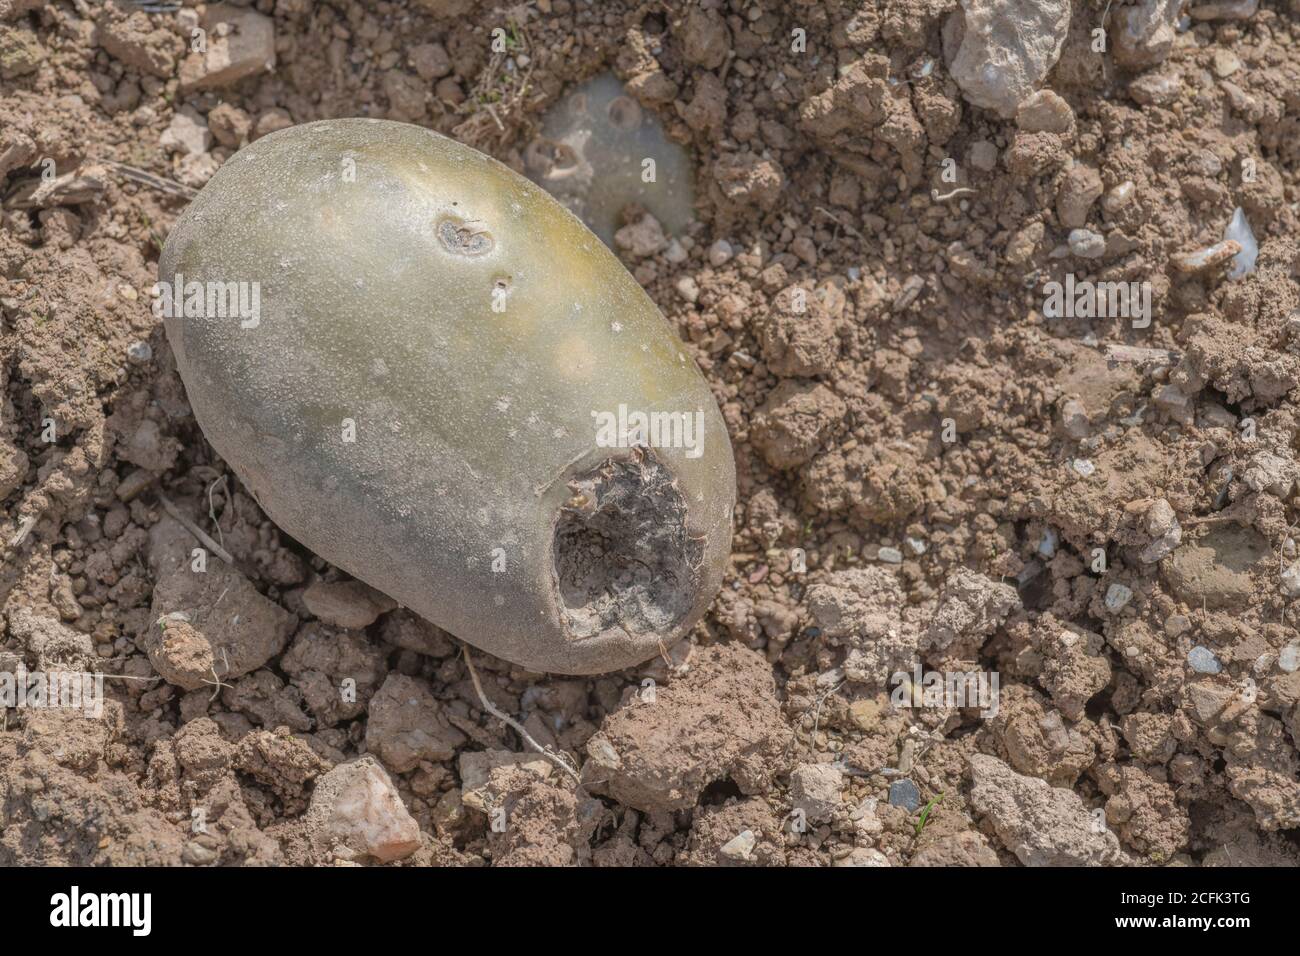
{"x": 925, "y": 814}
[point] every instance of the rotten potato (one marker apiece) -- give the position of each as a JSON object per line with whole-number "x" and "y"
{"x": 435, "y": 377}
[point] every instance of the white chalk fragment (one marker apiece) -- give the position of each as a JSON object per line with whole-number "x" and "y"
{"x": 1243, "y": 263}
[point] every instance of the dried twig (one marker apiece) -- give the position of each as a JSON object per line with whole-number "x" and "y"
{"x": 195, "y": 530}
{"x": 212, "y": 508}
{"x": 24, "y": 529}
{"x": 216, "y": 681}
{"x": 146, "y": 178}
{"x": 847, "y": 227}
{"x": 560, "y": 760}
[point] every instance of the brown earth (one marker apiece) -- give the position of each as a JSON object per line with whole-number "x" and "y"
{"x": 930, "y": 467}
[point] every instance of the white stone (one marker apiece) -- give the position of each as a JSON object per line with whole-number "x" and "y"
{"x": 188, "y": 133}
{"x": 1291, "y": 580}
{"x": 741, "y": 846}
{"x": 1144, "y": 34}
{"x": 1087, "y": 244}
{"x": 688, "y": 289}
{"x": 357, "y": 812}
{"x": 1118, "y": 595}
{"x": 863, "y": 856}
{"x": 720, "y": 253}
{"x": 1001, "y": 50}
{"x": 240, "y": 43}
{"x": 815, "y": 789}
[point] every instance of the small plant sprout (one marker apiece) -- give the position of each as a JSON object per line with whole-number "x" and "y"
{"x": 925, "y": 814}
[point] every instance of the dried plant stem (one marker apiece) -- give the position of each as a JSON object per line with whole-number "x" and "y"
{"x": 560, "y": 760}
{"x": 195, "y": 530}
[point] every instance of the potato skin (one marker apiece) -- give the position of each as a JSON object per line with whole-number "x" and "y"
{"x": 379, "y": 249}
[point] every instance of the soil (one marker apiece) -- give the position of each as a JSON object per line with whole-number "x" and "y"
{"x": 936, "y": 471}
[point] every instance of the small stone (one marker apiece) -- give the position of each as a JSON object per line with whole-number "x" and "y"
{"x": 407, "y": 725}
{"x": 1270, "y": 472}
{"x": 866, "y": 713}
{"x": 740, "y": 847}
{"x": 1074, "y": 419}
{"x": 1202, "y": 660}
{"x": 863, "y": 856}
{"x": 1002, "y": 50}
{"x": 1162, "y": 525}
{"x": 676, "y": 253}
{"x": 1041, "y": 824}
{"x": 1087, "y": 244}
{"x": 1224, "y": 10}
{"x": 1207, "y": 260}
{"x": 196, "y": 169}
{"x": 1174, "y": 401}
{"x": 1288, "y": 659}
{"x": 1118, "y": 196}
{"x": 240, "y": 43}
{"x": 1144, "y": 34}
{"x": 688, "y": 289}
{"x": 229, "y": 124}
{"x": 642, "y": 238}
{"x": 865, "y": 819}
{"x": 1155, "y": 90}
{"x": 1161, "y": 546}
{"x": 1045, "y": 112}
{"x": 720, "y": 253}
{"x": 430, "y": 60}
{"x": 1291, "y": 580}
{"x": 1226, "y": 63}
{"x": 449, "y": 91}
{"x": 349, "y": 604}
{"x": 707, "y": 39}
{"x": 815, "y": 790}
{"x": 1239, "y": 233}
{"x": 196, "y": 854}
{"x": 1208, "y": 700}
{"x": 188, "y": 133}
{"x": 1117, "y": 596}
{"x": 139, "y": 352}
{"x": 21, "y": 52}
{"x": 890, "y": 555}
{"x": 805, "y": 249}
{"x": 1047, "y": 544}
{"x": 904, "y": 793}
{"x": 357, "y": 812}
{"x": 984, "y": 156}
{"x": 1177, "y": 624}
{"x": 917, "y": 546}
{"x": 909, "y": 293}
{"x": 488, "y": 777}
{"x": 1080, "y": 188}
{"x": 1083, "y": 466}
{"x": 191, "y": 640}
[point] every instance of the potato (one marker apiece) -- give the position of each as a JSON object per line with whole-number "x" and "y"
{"x": 435, "y": 377}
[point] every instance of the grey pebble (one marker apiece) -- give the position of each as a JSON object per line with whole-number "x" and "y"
{"x": 903, "y": 793}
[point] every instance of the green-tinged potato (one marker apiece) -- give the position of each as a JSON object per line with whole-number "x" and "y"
{"x": 432, "y": 375}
